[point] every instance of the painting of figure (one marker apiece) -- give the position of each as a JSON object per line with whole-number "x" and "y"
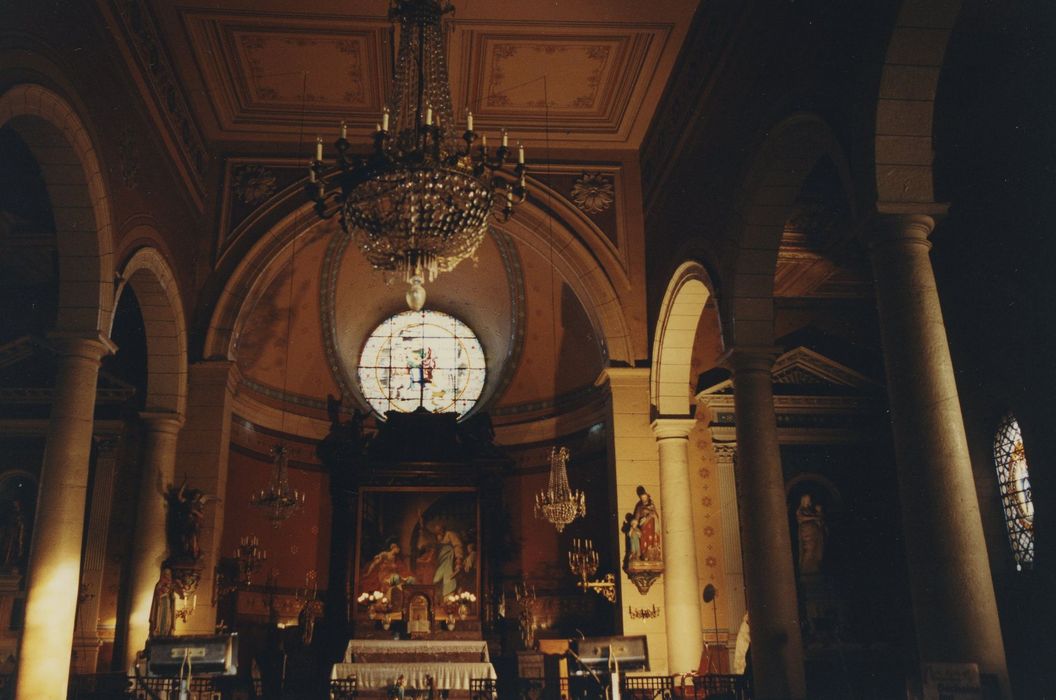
{"x": 417, "y": 536}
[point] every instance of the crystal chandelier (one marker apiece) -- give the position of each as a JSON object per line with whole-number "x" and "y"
{"x": 279, "y": 500}
{"x": 419, "y": 203}
{"x": 559, "y": 504}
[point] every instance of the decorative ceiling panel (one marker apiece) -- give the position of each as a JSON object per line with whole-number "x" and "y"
{"x": 556, "y": 78}
{"x": 267, "y": 73}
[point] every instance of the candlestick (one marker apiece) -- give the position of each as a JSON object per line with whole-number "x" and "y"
{"x": 344, "y": 130}
{"x": 385, "y": 119}
{"x": 318, "y": 147}
{"x": 469, "y": 121}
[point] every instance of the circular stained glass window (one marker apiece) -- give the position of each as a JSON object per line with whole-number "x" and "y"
{"x": 422, "y": 358}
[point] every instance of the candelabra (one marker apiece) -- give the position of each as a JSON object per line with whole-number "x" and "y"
{"x": 559, "y": 504}
{"x": 279, "y": 499}
{"x": 250, "y": 557}
{"x": 583, "y": 560}
{"x": 186, "y": 605}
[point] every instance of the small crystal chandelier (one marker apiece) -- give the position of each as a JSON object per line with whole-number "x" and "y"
{"x": 419, "y": 203}
{"x": 559, "y": 504}
{"x": 279, "y": 500}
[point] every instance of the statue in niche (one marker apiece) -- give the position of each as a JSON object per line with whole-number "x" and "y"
{"x": 810, "y": 519}
{"x": 644, "y": 558}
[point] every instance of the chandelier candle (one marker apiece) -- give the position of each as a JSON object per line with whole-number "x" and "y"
{"x": 420, "y": 202}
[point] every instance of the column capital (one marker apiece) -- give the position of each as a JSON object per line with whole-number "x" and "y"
{"x": 887, "y": 229}
{"x": 724, "y": 451}
{"x": 622, "y": 376}
{"x": 750, "y": 358}
{"x": 89, "y": 347}
{"x": 673, "y": 428}
{"x": 162, "y": 421}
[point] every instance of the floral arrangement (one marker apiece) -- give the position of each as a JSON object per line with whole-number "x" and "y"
{"x": 458, "y": 603}
{"x": 371, "y": 598}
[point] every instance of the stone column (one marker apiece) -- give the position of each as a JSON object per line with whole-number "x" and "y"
{"x": 685, "y": 638}
{"x": 954, "y": 608}
{"x": 160, "y": 430}
{"x": 777, "y": 648}
{"x": 55, "y": 555}
{"x": 86, "y": 641}
{"x": 636, "y": 464}
{"x": 733, "y": 594}
{"x": 203, "y": 449}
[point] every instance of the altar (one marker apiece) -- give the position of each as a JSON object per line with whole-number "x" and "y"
{"x": 376, "y": 664}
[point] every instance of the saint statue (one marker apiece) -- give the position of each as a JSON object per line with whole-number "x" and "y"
{"x": 810, "y": 519}
{"x": 645, "y": 528}
{"x": 163, "y": 606}
{"x": 13, "y": 535}
{"x": 184, "y": 522}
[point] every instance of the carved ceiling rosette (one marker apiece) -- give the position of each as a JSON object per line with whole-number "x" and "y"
{"x": 593, "y": 193}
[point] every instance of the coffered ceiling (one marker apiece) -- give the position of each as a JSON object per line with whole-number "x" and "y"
{"x": 264, "y": 75}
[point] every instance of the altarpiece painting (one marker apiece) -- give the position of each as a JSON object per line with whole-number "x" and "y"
{"x": 415, "y": 537}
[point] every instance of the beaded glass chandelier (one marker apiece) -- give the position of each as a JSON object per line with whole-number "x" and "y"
{"x": 419, "y": 203}
{"x": 559, "y": 504}
{"x": 279, "y": 500}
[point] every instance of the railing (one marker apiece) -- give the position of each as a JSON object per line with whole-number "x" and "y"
{"x": 344, "y": 688}
{"x": 483, "y": 689}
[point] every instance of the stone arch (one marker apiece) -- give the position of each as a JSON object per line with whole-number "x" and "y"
{"x": 70, "y": 167}
{"x": 584, "y": 273}
{"x": 905, "y": 106}
{"x": 152, "y": 280}
{"x": 676, "y": 328}
{"x": 775, "y": 178}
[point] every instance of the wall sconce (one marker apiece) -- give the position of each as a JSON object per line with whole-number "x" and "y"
{"x": 583, "y": 560}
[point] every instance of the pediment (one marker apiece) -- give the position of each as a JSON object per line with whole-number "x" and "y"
{"x": 800, "y": 371}
{"x": 810, "y": 371}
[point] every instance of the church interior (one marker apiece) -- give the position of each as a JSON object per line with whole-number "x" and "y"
{"x": 671, "y": 349}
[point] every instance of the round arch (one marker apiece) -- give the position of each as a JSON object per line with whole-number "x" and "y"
{"x": 905, "y": 106}
{"x": 151, "y": 279}
{"x": 687, "y": 292}
{"x": 784, "y": 160}
{"x": 584, "y": 274}
{"x": 80, "y": 203}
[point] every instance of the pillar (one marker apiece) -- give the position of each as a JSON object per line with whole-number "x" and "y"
{"x": 732, "y": 594}
{"x": 954, "y": 608}
{"x": 204, "y": 446}
{"x": 160, "y": 431}
{"x": 636, "y": 464}
{"x": 777, "y": 648}
{"x": 86, "y": 642}
{"x": 685, "y": 638}
{"x": 55, "y": 554}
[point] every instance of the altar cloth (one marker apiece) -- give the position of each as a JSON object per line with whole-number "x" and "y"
{"x": 448, "y": 675}
{"x": 376, "y": 650}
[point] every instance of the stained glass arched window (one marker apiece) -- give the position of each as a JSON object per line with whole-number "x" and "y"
{"x": 422, "y": 358}
{"x": 1013, "y": 479}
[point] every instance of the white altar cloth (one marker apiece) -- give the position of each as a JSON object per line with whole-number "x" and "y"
{"x": 454, "y": 675}
{"x": 434, "y": 648}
